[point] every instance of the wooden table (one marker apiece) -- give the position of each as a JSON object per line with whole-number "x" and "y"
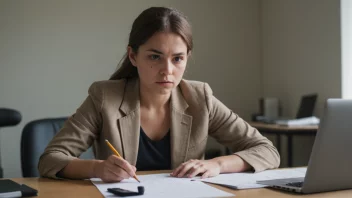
{"x": 84, "y": 188}
{"x": 288, "y": 131}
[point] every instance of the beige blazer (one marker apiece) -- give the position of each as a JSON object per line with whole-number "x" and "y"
{"x": 112, "y": 112}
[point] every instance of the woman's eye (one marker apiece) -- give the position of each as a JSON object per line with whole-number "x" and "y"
{"x": 154, "y": 57}
{"x": 177, "y": 59}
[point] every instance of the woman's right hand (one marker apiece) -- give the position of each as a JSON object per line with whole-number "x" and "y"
{"x": 114, "y": 169}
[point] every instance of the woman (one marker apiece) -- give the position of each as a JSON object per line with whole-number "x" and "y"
{"x": 154, "y": 118}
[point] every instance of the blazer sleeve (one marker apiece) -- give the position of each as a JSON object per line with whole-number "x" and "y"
{"x": 245, "y": 141}
{"x": 76, "y": 136}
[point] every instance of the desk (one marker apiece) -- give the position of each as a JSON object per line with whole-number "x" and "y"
{"x": 84, "y": 188}
{"x": 288, "y": 131}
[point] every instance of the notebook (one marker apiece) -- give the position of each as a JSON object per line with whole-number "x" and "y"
{"x": 9, "y": 188}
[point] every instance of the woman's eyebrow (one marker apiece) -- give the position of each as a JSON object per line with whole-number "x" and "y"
{"x": 159, "y": 52}
{"x": 179, "y": 54}
{"x": 154, "y": 50}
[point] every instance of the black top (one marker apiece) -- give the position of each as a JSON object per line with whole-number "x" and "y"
{"x": 153, "y": 155}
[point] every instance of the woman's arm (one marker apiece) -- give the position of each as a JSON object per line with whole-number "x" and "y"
{"x": 251, "y": 149}
{"x": 237, "y": 135}
{"x": 79, "y": 169}
{"x": 75, "y": 137}
{"x": 212, "y": 167}
{"x": 114, "y": 169}
{"x": 231, "y": 164}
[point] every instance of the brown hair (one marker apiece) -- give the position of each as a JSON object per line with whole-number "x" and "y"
{"x": 150, "y": 21}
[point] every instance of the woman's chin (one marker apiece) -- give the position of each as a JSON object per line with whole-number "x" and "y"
{"x": 165, "y": 90}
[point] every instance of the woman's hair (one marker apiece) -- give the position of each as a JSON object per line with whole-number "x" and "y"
{"x": 149, "y": 22}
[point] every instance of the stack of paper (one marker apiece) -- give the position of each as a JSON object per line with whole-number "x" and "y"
{"x": 248, "y": 180}
{"x": 299, "y": 122}
{"x": 162, "y": 185}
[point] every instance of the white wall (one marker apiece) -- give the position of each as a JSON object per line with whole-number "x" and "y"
{"x": 346, "y": 42}
{"x": 51, "y": 51}
{"x": 301, "y": 42}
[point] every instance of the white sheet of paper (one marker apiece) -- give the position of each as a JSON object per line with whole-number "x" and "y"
{"x": 248, "y": 180}
{"x": 162, "y": 185}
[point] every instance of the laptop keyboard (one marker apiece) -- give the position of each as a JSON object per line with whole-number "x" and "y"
{"x": 295, "y": 184}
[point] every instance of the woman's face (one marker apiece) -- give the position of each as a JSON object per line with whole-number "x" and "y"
{"x": 160, "y": 62}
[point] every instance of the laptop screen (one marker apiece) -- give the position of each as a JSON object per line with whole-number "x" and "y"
{"x": 307, "y": 105}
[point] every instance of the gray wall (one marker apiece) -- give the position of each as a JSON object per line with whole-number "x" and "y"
{"x": 301, "y": 43}
{"x": 51, "y": 51}
{"x": 301, "y": 46}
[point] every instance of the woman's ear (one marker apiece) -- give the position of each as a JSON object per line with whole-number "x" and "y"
{"x": 131, "y": 55}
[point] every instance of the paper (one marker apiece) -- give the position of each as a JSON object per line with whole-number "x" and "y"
{"x": 162, "y": 185}
{"x": 299, "y": 122}
{"x": 248, "y": 180}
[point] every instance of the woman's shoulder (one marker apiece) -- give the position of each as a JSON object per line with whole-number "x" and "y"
{"x": 195, "y": 87}
{"x": 108, "y": 90}
{"x": 108, "y": 84}
{"x": 197, "y": 94}
{"x": 107, "y": 87}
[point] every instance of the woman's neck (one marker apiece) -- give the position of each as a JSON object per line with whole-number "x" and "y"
{"x": 151, "y": 100}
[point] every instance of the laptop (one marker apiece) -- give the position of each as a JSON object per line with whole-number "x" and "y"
{"x": 306, "y": 107}
{"x": 305, "y": 110}
{"x": 330, "y": 163}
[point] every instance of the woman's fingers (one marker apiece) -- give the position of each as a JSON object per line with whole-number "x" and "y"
{"x": 178, "y": 169}
{"x": 134, "y": 168}
{"x": 118, "y": 171}
{"x": 112, "y": 177}
{"x": 123, "y": 164}
{"x": 191, "y": 168}
{"x": 114, "y": 169}
{"x": 184, "y": 170}
{"x": 206, "y": 174}
{"x": 198, "y": 168}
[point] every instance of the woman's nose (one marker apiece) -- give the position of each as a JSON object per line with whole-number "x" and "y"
{"x": 167, "y": 68}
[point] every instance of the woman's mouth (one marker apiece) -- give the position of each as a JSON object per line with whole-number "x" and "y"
{"x": 165, "y": 83}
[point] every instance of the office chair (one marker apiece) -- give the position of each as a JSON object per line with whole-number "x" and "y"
{"x": 36, "y": 135}
{"x": 8, "y": 117}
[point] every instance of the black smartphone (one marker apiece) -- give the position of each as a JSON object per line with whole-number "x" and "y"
{"x": 124, "y": 193}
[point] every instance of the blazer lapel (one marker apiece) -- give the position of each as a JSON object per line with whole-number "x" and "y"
{"x": 181, "y": 124}
{"x": 130, "y": 123}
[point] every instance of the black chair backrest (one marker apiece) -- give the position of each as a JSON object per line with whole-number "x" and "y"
{"x": 36, "y": 135}
{"x": 8, "y": 117}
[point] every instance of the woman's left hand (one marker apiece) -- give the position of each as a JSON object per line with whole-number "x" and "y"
{"x": 191, "y": 168}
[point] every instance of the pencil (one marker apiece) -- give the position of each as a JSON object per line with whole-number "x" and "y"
{"x": 118, "y": 155}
